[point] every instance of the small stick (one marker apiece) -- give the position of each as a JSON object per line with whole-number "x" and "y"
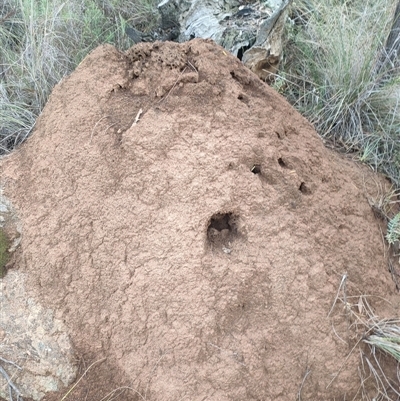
{"x": 137, "y": 117}
{"x": 308, "y": 371}
{"x": 344, "y": 278}
{"x": 344, "y": 363}
{"x": 151, "y": 375}
{"x": 10, "y": 362}
{"x": 111, "y": 393}
{"x": 77, "y": 382}
{"x": 194, "y": 68}
{"x": 173, "y": 86}
{"x": 91, "y": 135}
{"x": 11, "y": 386}
{"x": 109, "y": 127}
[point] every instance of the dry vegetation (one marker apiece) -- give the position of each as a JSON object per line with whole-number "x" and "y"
{"x": 42, "y": 41}
{"x": 338, "y": 73}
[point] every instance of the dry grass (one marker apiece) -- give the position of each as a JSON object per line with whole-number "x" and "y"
{"x": 379, "y": 363}
{"x": 337, "y": 74}
{"x": 13, "y": 391}
{"x": 42, "y": 41}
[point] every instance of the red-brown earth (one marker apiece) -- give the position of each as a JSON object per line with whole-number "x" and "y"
{"x": 191, "y": 231}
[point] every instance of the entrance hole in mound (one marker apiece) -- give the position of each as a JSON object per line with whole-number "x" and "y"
{"x": 282, "y": 163}
{"x": 263, "y": 174}
{"x": 304, "y": 189}
{"x": 243, "y": 98}
{"x": 222, "y": 228}
{"x": 256, "y": 169}
{"x": 242, "y": 50}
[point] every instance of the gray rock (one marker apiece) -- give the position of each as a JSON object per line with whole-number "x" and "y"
{"x": 35, "y": 350}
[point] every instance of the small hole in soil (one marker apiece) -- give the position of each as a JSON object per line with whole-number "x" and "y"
{"x": 242, "y": 50}
{"x": 281, "y": 162}
{"x": 221, "y": 221}
{"x": 221, "y": 228}
{"x": 243, "y": 98}
{"x": 304, "y": 189}
{"x": 256, "y": 169}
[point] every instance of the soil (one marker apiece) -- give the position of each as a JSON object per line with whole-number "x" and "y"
{"x": 192, "y": 232}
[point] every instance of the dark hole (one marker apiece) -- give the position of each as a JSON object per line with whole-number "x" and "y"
{"x": 303, "y": 188}
{"x": 241, "y": 51}
{"x": 256, "y": 169}
{"x": 221, "y": 224}
{"x": 222, "y": 228}
{"x": 281, "y": 162}
{"x": 220, "y": 221}
{"x": 243, "y": 98}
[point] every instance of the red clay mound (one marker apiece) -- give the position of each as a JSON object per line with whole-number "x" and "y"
{"x": 189, "y": 226}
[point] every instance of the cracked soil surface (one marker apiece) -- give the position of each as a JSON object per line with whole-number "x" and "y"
{"x": 191, "y": 231}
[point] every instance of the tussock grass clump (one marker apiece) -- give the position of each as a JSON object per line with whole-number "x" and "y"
{"x": 386, "y": 337}
{"x": 379, "y": 371}
{"x": 393, "y": 229}
{"x": 337, "y": 74}
{"x": 383, "y": 336}
{"x": 42, "y": 41}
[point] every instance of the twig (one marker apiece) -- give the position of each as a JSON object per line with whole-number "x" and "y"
{"x": 308, "y": 371}
{"x": 11, "y": 386}
{"x": 337, "y": 335}
{"x": 91, "y": 135}
{"x": 344, "y": 363}
{"x": 151, "y": 374}
{"x": 84, "y": 373}
{"x": 111, "y": 393}
{"x": 137, "y": 117}
{"x": 191, "y": 65}
{"x": 173, "y": 86}
{"x": 109, "y": 127}
{"x": 344, "y": 278}
{"x": 10, "y": 363}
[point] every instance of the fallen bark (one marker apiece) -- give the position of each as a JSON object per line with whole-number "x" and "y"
{"x": 264, "y": 56}
{"x": 252, "y": 32}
